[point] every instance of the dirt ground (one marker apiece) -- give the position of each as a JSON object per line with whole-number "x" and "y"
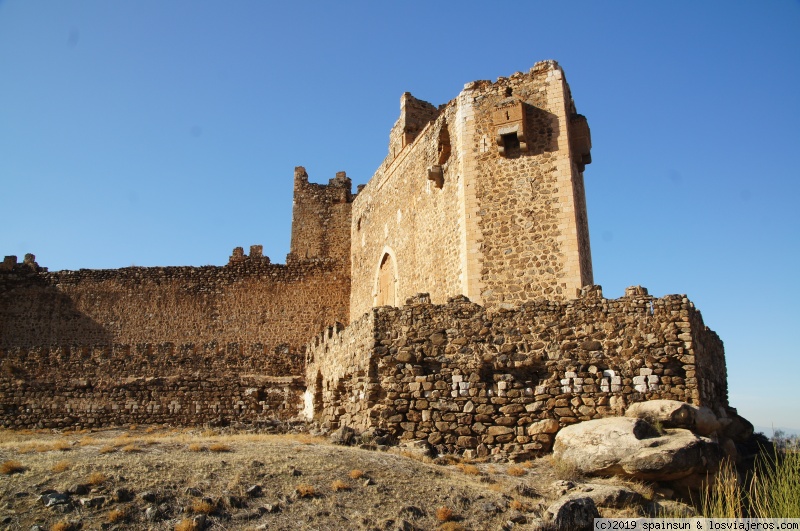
{"x": 190, "y": 479}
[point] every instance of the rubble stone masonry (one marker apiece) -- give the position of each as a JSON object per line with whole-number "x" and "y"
{"x": 463, "y": 377}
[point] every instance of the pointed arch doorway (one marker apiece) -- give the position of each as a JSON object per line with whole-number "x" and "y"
{"x": 386, "y": 281}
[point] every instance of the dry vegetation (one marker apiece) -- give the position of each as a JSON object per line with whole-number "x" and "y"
{"x": 257, "y": 481}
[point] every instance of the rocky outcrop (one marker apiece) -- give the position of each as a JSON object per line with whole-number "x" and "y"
{"x": 633, "y": 448}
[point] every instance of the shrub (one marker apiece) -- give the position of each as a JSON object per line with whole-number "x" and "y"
{"x": 515, "y": 471}
{"x": 116, "y": 515}
{"x": 96, "y": 478}
{"x": 185, "y": 525}
{"x": 356, "y": 474}
{"x": 471, "y": 470}
{"x": 61, "y": 466}
{"x": 444, "y": 514}
{"x": 202, "y": 507}
{"x": 219, "y": 447}
{"x": 12, "y": 467}
{"x": 338, "y": 485}
{"x": 304, "y": 490}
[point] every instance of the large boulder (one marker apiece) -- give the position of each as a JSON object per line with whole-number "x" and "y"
{"x": 631, "y": 447}
{"x": 675, "y": 414}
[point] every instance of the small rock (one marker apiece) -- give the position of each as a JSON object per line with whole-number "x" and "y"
{"x": 151, "y": 514}
{"x": 271, "y": 508}
{"x": 343, "y": 435}
{"x": 148, "y": 496}
{"x": 518, "y": 518}
{"x": 489, "y": 507}
{"x": 54, "y": 498}
{"x": 254, "y": 491}
{"x": 6, "y": 520}
{"x": 295, "y": 472}
{"x": 94, "y": 502}
{"x": 80, "y": 489}
{"x": 573, "y": 513}
{"x": 367, "y": 482}
{"x": 123, "y": 495}
{"x": 234, "y": 501}
{"x": 200, "y": 521}
{"x": 524, "y": 490}
{"x": 194, "y": 492}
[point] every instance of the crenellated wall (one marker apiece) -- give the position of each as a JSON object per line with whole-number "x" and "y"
{"x": 463, "y": 377}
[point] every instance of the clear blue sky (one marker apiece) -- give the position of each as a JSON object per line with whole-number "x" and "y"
{"x": 166, "y": 133}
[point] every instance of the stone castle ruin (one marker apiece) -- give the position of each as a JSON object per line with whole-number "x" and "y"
{"x": 450, "y": 299}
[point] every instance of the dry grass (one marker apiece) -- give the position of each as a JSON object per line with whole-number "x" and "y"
{"x": 61, "y": 526}
{"x": 202, "y": 507}
{"x": 131, "y": 448}
{"x": 521, "y": 506}
{"x": 107, "y": 449}
{"x": 564, "y": 469}
{"x": 219, "y": 447}
{"x": 470, "y": 470}
{"x": 185, "y": 525}
{"x": 304, "y": 490}
{"x": 452, "y": 526}
{"x": 12, "y": 467}
{"x": 96, "y": 478}
{"x": 356, "y": 474}
{"x": 444, "y": 514}
{"x": 61, "y": 466}
{"x": 516, "y": 471}
{"x": 116, "y": 515}
{"x": 88, "y": 441}
{"x": 338, "y": 485}
{"x": 197, "y": 447}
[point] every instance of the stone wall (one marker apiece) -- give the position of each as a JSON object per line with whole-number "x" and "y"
{"x": 183, "y": 385}
{"x": 249, "y": 301}
{"x": 464, "y": 377}
{"x": 483, "y": 197}
{"x": 321, "y": 218}
{"x": 410, "y": 221}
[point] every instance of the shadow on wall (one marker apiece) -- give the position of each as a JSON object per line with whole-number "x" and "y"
{"x": 33, "y": 312}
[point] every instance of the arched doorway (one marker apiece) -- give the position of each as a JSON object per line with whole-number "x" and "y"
{"x": 386, "y": 289}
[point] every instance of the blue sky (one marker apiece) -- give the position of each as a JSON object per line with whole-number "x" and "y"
{"x": 166, "y": 133}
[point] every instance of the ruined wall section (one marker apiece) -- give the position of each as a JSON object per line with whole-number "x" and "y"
{"x": 249, "y": 301}
{"x": 463, "y": 377}
{"x": 188, "y": 384}
{"x": 410, "y": 211}
{"x": 526, "y": 177}
{"x": 341, "y": 384}
{"x": 321, "y": 219}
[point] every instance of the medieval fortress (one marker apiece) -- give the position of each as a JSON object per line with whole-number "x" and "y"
{"x": 450, "y": 299}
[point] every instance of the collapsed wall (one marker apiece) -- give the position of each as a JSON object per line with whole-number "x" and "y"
{"x": 463, "y": 377}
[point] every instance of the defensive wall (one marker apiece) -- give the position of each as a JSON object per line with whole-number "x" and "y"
{"x": 176, "y": 345}
{"x": 463, "y": 377}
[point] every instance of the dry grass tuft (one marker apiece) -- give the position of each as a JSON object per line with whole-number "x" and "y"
{"x": 197, "y": 447}
{"x": 202, "y": 507}
{"x": 62, "y": 526}
{"x": 356, "y": 474}
{"x": 61, "y": 466}
{"x": 96, "y": 478}
{"x": 12, "y": 467}
{"x": 131, "y": 448}
{"x": 107, "y": 449}
{"x": 116, "y": 515}
{"x": 61, "y": 446}
{"x": 468, "y": 469}
{"x": 185, "y": 525}
{"x": 452, "y": 526}
{"x": 564, "y": 469}
{"x": 88, "y": 441}
{"x": 304, "y": 490}
{"x": 338, "y": 485}
{"x": 515, "y": 471}
{"x": 444, "y": 514}
{"x": 219, "y": 447}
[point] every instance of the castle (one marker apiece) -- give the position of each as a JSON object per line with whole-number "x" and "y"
{"x": 450, "y": 299}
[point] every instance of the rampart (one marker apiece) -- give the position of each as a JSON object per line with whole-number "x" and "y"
{"x": 463, "y": 377}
